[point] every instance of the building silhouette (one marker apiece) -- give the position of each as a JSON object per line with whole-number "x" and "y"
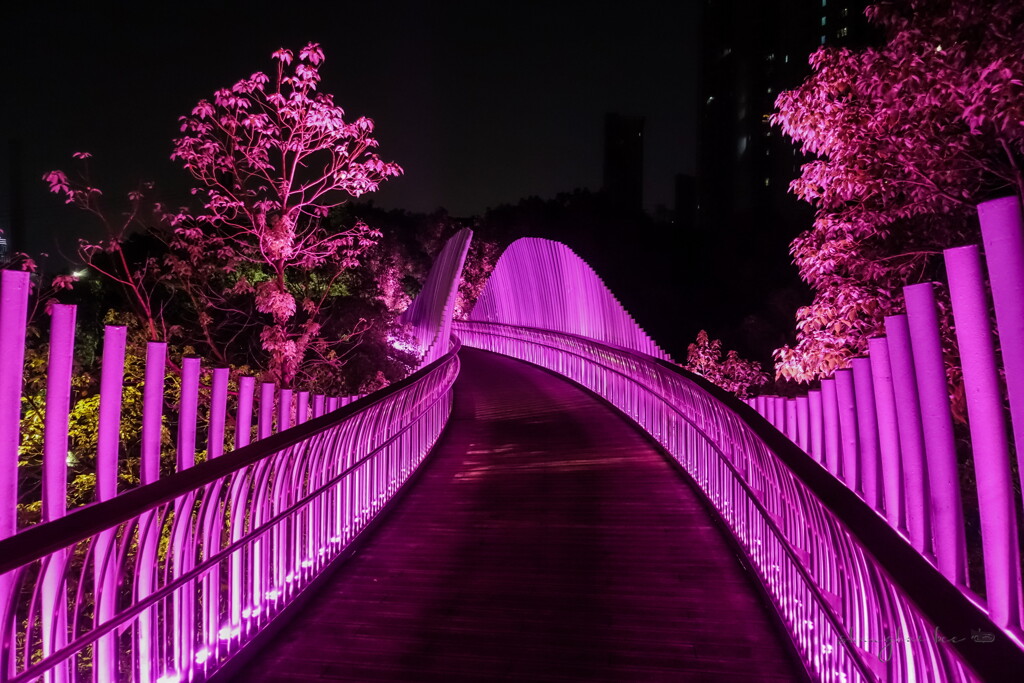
{"x": 751, "y": 52}
{"x": 624, "y": 161}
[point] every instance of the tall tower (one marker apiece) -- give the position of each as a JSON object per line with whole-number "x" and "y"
{"x": 750, "y": 53}
{"x": 624, "y": 160}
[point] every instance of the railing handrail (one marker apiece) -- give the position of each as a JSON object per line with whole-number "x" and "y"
{"x": 40, "y": 540}
{"x": 944, "y": 604}
{"x": 686, "y": 374}
{"x": 212, "y": 560}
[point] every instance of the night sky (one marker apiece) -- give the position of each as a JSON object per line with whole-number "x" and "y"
{"x": 482, "y": 103}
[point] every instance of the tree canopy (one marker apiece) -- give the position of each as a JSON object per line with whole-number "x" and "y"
{"x": 909, "y": 137}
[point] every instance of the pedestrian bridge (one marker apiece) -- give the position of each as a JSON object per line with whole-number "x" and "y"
{"x": 549, "y": 497}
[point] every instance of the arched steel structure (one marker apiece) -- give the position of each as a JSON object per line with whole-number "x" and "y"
{"x": 544, "y": 284}
{"x": 861, "y": 600}
{"x": 430, "y": 313}
{"x": 168, "y": 582}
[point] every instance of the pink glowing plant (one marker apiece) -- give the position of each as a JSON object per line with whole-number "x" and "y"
{"x": 732, "y": 373}
{"x": 271, "y": 155}
{"x": 909, "y": 136}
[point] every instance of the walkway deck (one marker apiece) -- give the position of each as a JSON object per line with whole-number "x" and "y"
{"x": 546, "y": 540}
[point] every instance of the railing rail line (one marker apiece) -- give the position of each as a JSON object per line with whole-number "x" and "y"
{"x": 795, "y": 553}
{"x": 246, "y": 533}
{"x": 890, "y": 558}
{"x": 139, "y": 606}
{"x": 35, "y": 542}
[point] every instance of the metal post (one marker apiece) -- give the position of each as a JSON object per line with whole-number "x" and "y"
{"x": 937, "y": 423}
{"x": 908, "y": 412}
{"x": 988, "y": 435}
{"x": 888, "y": 433}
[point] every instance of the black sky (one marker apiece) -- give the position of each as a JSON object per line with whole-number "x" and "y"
{"x": 482, "y": 103}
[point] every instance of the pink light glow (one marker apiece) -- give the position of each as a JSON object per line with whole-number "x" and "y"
{"x": 252, "y": 528}
{"x": 544, "y": 284}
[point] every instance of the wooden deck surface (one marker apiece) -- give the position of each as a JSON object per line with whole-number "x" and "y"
{"x": 545, "y": 540}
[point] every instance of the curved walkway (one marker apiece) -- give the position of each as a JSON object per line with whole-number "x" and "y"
{"x": 545, "y": 540}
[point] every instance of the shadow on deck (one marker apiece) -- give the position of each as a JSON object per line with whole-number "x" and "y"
{"x": 546, "y": 539}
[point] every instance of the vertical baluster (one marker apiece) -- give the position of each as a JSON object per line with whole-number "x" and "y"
{"x": 55, "y": 476}
{"x": 792, "y": 428}
{"x": 282, "y": 496}
{"x": 303, "y": 409}
{"x": 152, "y": 411}
{"x": 218, "y": 412}
{"x": 240, "y": 488}
{"x": 149, "y": 531}
{"x": 937, "y": 424}
{"x": 988, "y": 435}
{"x": 105, "y": 555}
{"x": 803, "y": 423}
{"x": 212, "y": 519}
{"x": 817, "y": 414}
{"x": 888, "y": 433}
{"x": 13, "y": 313}
{"x": 284, "y": 416}
{"x": 867, "y": 425}
{"x": 58, "y": 407}
{"x": 830, "y": 414}
{"x": 243, "y": 421}
{"x": 188, "y": 412}
{"x": 1002, "y": 233}
{"x": 266, "y": 423}
{"x": 850, "y": 445}
{"x": 260, "y": 555}
{"x": 182, "y": 540}
{"x": 318, "y": 405}
{"x": 908, "y": 413}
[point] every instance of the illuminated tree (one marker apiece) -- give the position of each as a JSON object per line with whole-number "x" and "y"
{"x": 909, "y": 136}
{"x": 271, "y": 156}
{"x": 734, "y": 374}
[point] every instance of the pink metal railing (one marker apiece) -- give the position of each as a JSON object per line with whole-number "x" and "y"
{"x": 168, "y": 581}
{"x": 859, "y": 602}
{"x": 895, "y": 426}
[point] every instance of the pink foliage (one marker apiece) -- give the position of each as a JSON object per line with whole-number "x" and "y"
{"x": 909, "y": 137}
{"x": 273, "y": 156}
{"x": 734, "y": 374}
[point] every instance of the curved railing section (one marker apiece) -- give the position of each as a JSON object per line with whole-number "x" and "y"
{"x": 859, "y": 602}
{"x": 169, "y": 581}
{"x": 430, "y": 313}
{"x": 885, "y": 426}
{"x": 544, "y": 284}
